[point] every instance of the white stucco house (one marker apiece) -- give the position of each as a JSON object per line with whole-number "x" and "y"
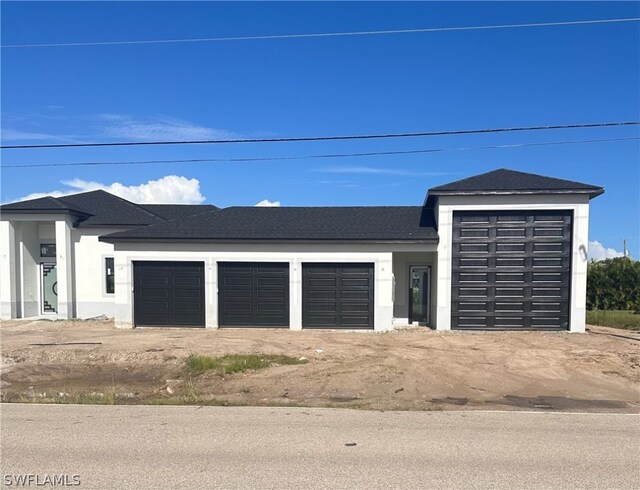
{"x": 498, "y": 251}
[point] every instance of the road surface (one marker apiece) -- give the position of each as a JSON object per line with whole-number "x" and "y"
{"x": 134, "y": 447}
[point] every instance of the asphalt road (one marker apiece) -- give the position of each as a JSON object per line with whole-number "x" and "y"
{"x": 134, "y": 447}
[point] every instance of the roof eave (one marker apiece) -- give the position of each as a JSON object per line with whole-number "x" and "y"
{"x": 72, "y": 212}
{"x": 111, "y": 225}
{"x": 590, "y": 192}
{"x": 109, "y": 239}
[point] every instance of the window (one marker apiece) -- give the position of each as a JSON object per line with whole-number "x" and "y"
{"x": 108, "y": 262}
{"x": 48, "y": 250}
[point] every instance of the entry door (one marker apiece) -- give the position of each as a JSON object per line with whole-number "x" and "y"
{"x": 419, "y": 290}
{"x": 49, "y": 282}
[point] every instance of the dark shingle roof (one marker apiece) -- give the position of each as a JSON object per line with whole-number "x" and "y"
{"x": 100, "y": 208}
{"x": 109, "y": 210}
{"x": 42, "y": 204}
{"x": 394, "y": 223}
{"x": 175, "y": 211}
{"x": 504, "y": 181}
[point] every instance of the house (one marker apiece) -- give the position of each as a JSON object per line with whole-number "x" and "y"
{"x": 498, "y": 251}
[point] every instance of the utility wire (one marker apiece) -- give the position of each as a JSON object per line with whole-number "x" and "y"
{"x": 324, "y": 34}
{"x": 326, "y": 155}
{"x": 327, "y": 138}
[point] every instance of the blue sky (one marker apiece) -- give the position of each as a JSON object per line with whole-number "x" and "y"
{"x": 321, "y": 86}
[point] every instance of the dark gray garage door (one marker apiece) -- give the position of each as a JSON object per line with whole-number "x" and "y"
{"x": 169, "y": 294}
{"x": 337, "y": 296}
{"x": 253, "y": 294}
{"x": 511, "y": 270}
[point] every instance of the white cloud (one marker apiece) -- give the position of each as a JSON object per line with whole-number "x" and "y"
{"x": 265, "y": 203}
{"x": 171, "y": 189}
{"x": 9, "y": 134}
{"x": 158, "y": 128}
{"x": 379, "y": 171}
{"x": 597, "y": 251}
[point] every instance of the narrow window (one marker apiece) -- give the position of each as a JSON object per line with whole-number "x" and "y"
{"x": 108, "y": 262}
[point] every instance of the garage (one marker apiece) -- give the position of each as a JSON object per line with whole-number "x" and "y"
{"x": 337, "y": 295}
{"x": 511, "y": 270}
{"x": 253, "y": 294}
{"x": 169, "y": 294}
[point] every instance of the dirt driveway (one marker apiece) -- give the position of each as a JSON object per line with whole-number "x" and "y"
{"x": 412, "y": 369}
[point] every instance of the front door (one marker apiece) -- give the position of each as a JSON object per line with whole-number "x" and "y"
{"x": 420, "y": 278}
{"x": 49, "y": 281}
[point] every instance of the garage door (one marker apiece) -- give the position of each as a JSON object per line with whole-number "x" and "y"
{"x": 337, "y": 296}
{"x": 169, "y": 294}
{"x": 253, "y": 294}
{"x": 511, "y": 270}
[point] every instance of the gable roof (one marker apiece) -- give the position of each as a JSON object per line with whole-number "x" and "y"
{"x": 254, "y": 224}
{"x": 504, "y": 181}
{"x": 100, "y": 208}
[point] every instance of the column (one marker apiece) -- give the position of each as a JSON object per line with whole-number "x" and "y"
{"x": 295, "y": 294}
{"x": 578, "y": 311}
{"x": 443, "y": 268}
{"x": 7, "y": 271}
{"x": 64, "y": 269}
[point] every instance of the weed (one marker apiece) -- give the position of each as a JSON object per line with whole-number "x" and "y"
{"x": 614, "y": 318}
{"x": 237, "y": 363}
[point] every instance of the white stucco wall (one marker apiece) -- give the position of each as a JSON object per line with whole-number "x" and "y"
{"x": 91, "y": 294}
{"x": 295, "y": 254}
{"x": 579, "y": 204}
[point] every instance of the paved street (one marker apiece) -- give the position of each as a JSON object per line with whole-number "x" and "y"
{"x": 129, "y": 447}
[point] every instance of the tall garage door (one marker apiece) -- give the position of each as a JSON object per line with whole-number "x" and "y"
{"x": 511, "y": 270}
{"x": 168, "y": 294}
{"x": 253, "y": 294}
{"x": 337, "y": 296}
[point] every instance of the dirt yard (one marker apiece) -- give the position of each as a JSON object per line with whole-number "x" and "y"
{"x": 412, "y": 369}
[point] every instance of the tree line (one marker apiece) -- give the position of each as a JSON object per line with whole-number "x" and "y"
{"x": 613, "y": 284}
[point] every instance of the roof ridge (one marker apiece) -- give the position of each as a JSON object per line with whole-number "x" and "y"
{"x": 138, "y": 206}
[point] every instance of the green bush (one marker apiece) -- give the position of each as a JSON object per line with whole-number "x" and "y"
{"x": 613, "y": 284}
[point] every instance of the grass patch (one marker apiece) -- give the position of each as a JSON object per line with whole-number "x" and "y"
{"x": 614, "y": 318}
{"x": 237, "y": 363}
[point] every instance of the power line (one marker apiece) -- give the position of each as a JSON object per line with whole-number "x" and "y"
{"x": 326, "y": 155}
{"x": 328, "y": 138}
{"x": 325, "y": 34}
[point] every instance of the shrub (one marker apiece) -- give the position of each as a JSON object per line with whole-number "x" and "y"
{"x": 613, "y": 284}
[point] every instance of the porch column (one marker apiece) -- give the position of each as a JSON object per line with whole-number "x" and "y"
{"x": 64, "y": 266}
{"x": 8, "y": 264}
